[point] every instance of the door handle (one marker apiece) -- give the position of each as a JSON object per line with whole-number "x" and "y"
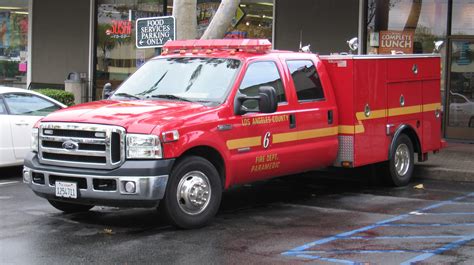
{"x": 330, "y": 117}
{"x": 21, "y": 123}
{"x": 292, "y": 121}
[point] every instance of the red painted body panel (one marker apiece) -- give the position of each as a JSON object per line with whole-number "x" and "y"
{"x": 379, "y": 82}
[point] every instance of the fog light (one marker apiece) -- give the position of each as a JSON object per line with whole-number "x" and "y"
{"x": 26, "y": 175}
{"x": 130, "y": 187}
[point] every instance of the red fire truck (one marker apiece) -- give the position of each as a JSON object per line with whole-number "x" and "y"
{"x": 210, "y": 114}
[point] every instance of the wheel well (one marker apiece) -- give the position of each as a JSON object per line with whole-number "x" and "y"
{"x": 212, "y": 155}
{"x": 410, "y": 132}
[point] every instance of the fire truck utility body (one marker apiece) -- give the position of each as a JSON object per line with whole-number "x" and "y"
{"x": 179, "y": 155}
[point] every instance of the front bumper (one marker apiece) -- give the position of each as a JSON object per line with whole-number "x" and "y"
{"x": 102, "y": 187}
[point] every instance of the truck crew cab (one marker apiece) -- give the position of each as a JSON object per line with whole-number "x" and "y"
{"x": 210, "y": 114}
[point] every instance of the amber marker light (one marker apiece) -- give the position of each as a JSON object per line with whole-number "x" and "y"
{"x": 346, "y": 164}
{"x": 170, "y": 136}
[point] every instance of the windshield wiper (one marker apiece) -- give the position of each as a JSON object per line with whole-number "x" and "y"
{"x": 126, "y": 95}
{"x": 169, "y": 96}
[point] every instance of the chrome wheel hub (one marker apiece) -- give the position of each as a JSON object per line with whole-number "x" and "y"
{"x": 402, "y": 159}
{"x": 194, "y": 192}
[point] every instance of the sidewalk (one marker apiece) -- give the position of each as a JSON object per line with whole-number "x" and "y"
{"x": 455, "y": 163}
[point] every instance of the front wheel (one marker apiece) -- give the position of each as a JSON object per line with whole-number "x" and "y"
{"x": 399, "y": 169}
{"x": 193, "y": 194}
{"x": 70, "y": 207}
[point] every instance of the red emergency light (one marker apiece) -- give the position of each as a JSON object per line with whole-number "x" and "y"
{"x": 247, "y": 45}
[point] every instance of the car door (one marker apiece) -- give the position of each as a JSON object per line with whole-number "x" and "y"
{"x": 253, "y": 155}
{"x": 315, "y": 141}
{"x": 7, "y": 156}
{"x": 25, "y": 110}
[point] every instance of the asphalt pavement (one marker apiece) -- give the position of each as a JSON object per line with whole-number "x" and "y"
{"x": 310, "y": 218}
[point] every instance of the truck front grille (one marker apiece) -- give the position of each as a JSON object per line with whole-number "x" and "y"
{"x": 81, "y": 145}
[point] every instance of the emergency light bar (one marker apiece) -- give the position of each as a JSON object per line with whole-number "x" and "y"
{"x": 248, "y": 45}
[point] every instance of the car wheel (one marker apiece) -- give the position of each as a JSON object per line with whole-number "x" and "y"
{"x": 471, "y": 122}
{"x": 193, "y": 194}
{"x": 398, "y": 169}
{"x": 70, "y": 207}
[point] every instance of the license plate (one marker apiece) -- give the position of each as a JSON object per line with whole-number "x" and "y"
{"x": 66, "y": 189}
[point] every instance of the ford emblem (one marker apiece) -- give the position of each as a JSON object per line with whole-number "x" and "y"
{"x": 70, "y": 145}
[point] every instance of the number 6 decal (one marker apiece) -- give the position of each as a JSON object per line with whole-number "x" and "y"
{"x": 266, "y": 140}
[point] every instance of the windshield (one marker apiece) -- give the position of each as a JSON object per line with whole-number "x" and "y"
{"x": 205, "y": 80}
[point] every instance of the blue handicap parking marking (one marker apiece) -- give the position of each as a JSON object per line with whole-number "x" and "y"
{"x": 448, "y": 241}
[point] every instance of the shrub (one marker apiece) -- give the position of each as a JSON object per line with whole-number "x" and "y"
{"x": 67, "y": 98}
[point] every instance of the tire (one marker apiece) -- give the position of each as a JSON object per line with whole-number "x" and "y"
{"x": 70, "y": 207}
{"x": 186, "y": 204}
{"x": 398, "y": 169}
{"x": 471, "y": 123}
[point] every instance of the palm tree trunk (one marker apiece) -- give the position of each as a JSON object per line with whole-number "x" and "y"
{"x": 221, "y": 20}
{"x": 186, "y": 24}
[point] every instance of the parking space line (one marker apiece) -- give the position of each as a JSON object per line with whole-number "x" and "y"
{"x": 433, "y": 214}
{"x": 8, "y": 182}
{"x": 428, "y": 224}
{"x": 303, "y": 252}
{"x": 399, "y": 237}
{"x": 440, "y": 250}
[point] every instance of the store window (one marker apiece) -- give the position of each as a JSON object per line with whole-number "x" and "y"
{"x": 116, "y": 54}
{"x": 405, "y": 26}
{"x": 253, "y": 19}
{"x": 463, "y": 17}
{"x": 13, "y": 43}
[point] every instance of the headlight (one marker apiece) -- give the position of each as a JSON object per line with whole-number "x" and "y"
{"x": 34, "y": 139}
{"x": 143, "y": 146}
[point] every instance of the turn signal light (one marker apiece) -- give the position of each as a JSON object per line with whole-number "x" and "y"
{"x": 170, "y": 136}
{"x": 346, "y": 164}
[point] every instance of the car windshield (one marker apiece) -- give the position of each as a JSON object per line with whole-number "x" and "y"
{"x": 205, "y": 80}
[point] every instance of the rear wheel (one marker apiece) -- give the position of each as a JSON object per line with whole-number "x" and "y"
{"x": 70, "y": 207}
{"x": 193, "y": 194}
{"x": 398, "y": 169}
{"x": 471, "y": 122}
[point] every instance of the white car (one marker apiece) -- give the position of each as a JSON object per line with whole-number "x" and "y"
{"x": 20, "y": 109}
{"x": 461, "y": 111}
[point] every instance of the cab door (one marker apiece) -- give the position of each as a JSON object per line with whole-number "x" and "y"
{"x": 314, "y": 138}
{"x": 253, "y": 155}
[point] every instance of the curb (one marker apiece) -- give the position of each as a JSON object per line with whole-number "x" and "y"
{"x": 439, "y": 173}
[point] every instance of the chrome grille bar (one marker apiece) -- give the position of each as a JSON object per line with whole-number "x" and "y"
{"x": 79, "y": 156}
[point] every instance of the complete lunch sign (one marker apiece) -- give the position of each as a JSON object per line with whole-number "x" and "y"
{"x": 154, "y": 32}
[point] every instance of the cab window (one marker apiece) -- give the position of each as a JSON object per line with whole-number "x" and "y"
{"x": 261, "y": 74}
{"x": 306, "y": 80}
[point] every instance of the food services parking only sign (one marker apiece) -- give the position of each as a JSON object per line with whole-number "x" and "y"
{"x": 154, "y": 32}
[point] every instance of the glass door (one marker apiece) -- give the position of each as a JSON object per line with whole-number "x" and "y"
{"x": 117, "y": 57}
{"x": 460, "y": 95}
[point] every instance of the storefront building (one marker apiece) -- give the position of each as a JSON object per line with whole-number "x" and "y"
{"x": 96, "y": 39}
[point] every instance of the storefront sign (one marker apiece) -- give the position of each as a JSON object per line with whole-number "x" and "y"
{"x": 120, "y": 29}
{"x": 398, "y": 41}
{"x": 154, "y": 32}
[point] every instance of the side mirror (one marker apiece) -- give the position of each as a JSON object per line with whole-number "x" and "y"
{"x": 267, "y": 101}
{"x": 107, "y": 91}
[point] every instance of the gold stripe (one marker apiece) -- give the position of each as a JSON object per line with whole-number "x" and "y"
{"x": 375, "y": 114}
{"x": 344, "y": 129}
{"x": 351, "y": 129}
{"x": 431, "y": 107}
{"x": 302, "y": 135}
{"x": 404, "y": 110}
{"x": 244, "y": 142}
{"x": 397, "y": 111}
